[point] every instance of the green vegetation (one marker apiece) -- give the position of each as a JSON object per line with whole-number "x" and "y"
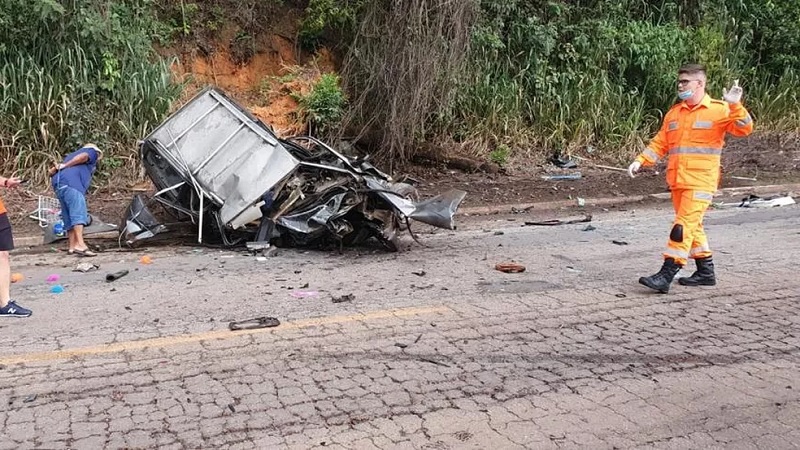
{"x": 555, "y": 76}
{"x": 328, "y": 15}
{"x": 77, "y": 71}
{"x": 565, "y": 75}
{"x": 324, "y": 106}
{"x": 499, "y": 78}
{"x": 500, "y": 155}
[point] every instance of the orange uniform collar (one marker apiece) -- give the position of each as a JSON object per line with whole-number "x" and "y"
{"x": 705, "y": 102}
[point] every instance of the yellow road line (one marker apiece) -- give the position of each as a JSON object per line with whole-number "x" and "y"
{"x": 170, "y": 341}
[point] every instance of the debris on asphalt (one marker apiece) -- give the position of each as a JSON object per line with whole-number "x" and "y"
{"x": 146, "y": 259}
{"x": 509, "y": 267}
{"x": 223, "y": 176}
{"x": 619, "y": 242}
{"x": 16, "y": 277}
{"x": 343, "y": 298}
{"x": 553, "y": 222}
{"x": 116, "y": 275}
{"x": 57, "y": 289}
{"x": 419, "y": 273}
{"x": 499, "y": 233}
{"x": 29, "y": 398}
{"x": 52, "y": 278}
{"x": 85, "y": 267}
{"x": 573, "y": 269}
{"x": 433, "y": 361}
{"x": 754, "y": 201}
{"x": 399, "y": 345}
{"x": 620, "y": 295}
{"x": 581, "y": 202}
{"x": 589, "y": 228}
{"x": 48, "y": 216}
{"x": 743, "y": 178}
{"x": 250, "y": 324}
{"x": 304, "y": 294}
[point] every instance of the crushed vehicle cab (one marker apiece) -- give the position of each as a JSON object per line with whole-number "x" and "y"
{"x": 219, "y": 169}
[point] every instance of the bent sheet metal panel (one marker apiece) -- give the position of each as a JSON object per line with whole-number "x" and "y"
{"x": 231, "y": 156}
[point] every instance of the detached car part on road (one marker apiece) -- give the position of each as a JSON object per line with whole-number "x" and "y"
{"x": 225, "y": 173}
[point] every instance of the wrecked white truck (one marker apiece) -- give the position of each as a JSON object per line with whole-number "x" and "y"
{"x": 222, "y": 174}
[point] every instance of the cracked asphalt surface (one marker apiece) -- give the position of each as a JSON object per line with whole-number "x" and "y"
{"x": 435, "y": 350}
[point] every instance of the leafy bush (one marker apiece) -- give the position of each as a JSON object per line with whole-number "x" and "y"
{"x": 324, "y": 105}
{"x": 323, "y": 15}
{"x": 500, "y": 155}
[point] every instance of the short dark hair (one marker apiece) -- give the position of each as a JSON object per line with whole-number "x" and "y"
{"x": 692, "y": 69}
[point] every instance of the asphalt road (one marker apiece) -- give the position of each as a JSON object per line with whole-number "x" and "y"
{"x": 431, "y": 347}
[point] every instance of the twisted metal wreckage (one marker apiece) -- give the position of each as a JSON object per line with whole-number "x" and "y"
{"x": 218, "y": 168}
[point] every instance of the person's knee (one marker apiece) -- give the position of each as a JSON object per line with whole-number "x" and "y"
{"x": 676, "y": 234}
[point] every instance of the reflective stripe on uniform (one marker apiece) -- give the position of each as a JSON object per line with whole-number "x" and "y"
{"x": 701, "y": 195}
{"x": 701, "y": 249}
{"x": 703, "y": 125}
{"x": 745, "y": 121}
{"x": 673, "y": 125}
{"x": 650, "y": 154}
{"x": 695, "y": 151}
{"x": 677, "y": 254}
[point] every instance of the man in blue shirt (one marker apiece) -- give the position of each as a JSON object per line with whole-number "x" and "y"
{"x": 71, "y": 180}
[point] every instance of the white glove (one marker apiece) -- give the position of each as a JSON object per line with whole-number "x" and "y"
{"x": 733, "y": 96}
{"x": 633, "y": 168}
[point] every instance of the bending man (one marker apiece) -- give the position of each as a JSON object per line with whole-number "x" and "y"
{"x": 71, "y": 180}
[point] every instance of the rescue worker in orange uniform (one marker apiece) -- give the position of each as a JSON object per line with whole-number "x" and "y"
{"x": 691, "y": 137}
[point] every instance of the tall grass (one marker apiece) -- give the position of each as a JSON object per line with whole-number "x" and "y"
{"x": 556, "y": 77}
{"x": 75, "y": 72}
{"x": 49, "y": 109}
{"x": 774, "y": 104}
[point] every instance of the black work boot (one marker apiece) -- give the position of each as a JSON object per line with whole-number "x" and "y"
{"x": 661, "y": 280}
{"x": 703, "y": 276}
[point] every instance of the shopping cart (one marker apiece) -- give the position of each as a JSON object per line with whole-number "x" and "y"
{"x": 48, "y": 214}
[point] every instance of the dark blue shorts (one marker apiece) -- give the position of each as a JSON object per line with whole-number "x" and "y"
{"x": 6, "y": 238}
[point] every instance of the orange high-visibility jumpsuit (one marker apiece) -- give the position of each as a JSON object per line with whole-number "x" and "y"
{"x": 693, "y": 138}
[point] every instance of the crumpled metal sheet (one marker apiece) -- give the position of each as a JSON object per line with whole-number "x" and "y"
{"x": 439, "y": 211}
{"x": 230, "y": 155}
{"x": 318, "y": 218}
{"x": 139, "y": 223}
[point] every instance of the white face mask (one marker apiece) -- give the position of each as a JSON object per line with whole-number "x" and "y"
{"x": 685, "y": 95}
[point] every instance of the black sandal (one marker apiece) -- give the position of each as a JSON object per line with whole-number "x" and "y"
{"x": 251, "y": 324}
